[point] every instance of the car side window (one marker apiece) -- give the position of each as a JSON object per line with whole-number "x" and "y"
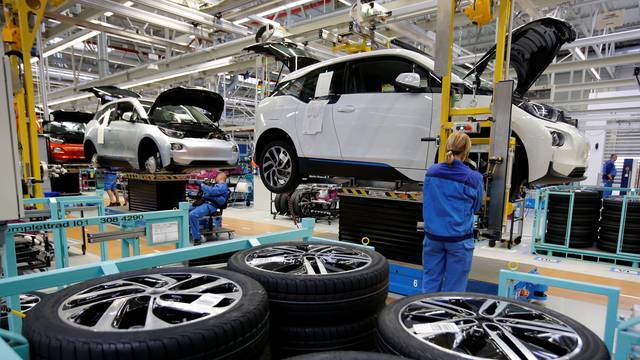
{"x": 124, "y": 108}
{"x": 309, "y": 83}
{"x": 291, "y": 88}
{"x": 378, "y": 75}
{"x": 106, "y": 114}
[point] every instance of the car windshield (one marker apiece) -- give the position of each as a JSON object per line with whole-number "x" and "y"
{"x": 68, "y": 131}
{"x": 180, "y": 114}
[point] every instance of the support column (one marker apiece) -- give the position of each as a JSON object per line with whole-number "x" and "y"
{"x": 103, "y": 52}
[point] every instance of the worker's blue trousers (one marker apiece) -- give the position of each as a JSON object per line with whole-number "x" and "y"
{"x": 446, "y": 265}
{"x": 607, "y": 192}
{"x": 195, "y": 213}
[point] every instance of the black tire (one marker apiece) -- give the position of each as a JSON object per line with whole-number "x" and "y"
{"x": 612, "y": 247}
{"x": 563, "y": 210}
{"x": 346, "y": 355}
{"x": 295, "y": 203}
{"x": 575, "y": 219}
{"x": 613, "y": 236}
{"x": 395, "y": 339}
{"x": 240, "y": 332}
{"x": 297, "y": 340}
{"x": 294, "y": 179}
{"x": 284, "y": 203}
{"x": 611, "y": 226}
{"x": 277, "y": 201}
{"x": 27, "y": 303}
{"x": 327, "y": 299}
{"x": 575, "y": 241}
{"x": 614, "y": 203}
{"x": 561, "y": 229}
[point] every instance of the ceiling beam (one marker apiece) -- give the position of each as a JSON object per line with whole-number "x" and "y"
{"x": 602, "y": 84}
{"x": 607, "y": 100}
{"x": 589, "y": 63}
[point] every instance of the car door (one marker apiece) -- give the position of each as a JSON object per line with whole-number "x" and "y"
{"x": 315, "y": 129}
{"x": 103, "y": 117}
{"x": 122, "y": 132}
{"x": 379, "y": 125}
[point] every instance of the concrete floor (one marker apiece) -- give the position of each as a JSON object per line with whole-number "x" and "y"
{"x": 587, "y": 309}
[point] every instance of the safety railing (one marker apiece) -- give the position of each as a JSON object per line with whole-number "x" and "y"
{"x": 541, "y": 247}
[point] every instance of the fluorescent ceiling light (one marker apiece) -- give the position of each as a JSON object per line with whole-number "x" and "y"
{"x": 275, "y": 10}
{"x": 345, "y": 2}
{"x": 63, "y": 45}
{"x": 128, "y": 3}
{"x": 167, "y": 75}
{"x": 69, "y": 99}
{"x": 583, "y": 57}
{"x": 108, "y": 13}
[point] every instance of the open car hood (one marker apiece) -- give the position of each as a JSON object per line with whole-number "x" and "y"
{"x": 198, "y": 97}
{"x": 110, "y": 93}
{"x": 533, "y": 48}
{"x": 70, "y": 116}
{"x": 287, "y": 52}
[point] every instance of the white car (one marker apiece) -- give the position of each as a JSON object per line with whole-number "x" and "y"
{"x": 176, "y": 131}
{"x": 371, "y": 124}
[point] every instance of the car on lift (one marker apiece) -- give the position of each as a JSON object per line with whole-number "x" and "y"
{"x": 64, "y": 135}
{"x": 178, "y": 130}
{"x": 364, "y": 115}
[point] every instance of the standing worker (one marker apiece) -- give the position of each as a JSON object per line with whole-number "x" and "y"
{"x": 609, "y": 173}
{"x": 453, "y": 193}
{"x": 213, "y": 197}
{"x": 111, "y": 187}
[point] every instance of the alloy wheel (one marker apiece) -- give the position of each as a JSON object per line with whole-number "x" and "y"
{"x": 151, "y": 164}
{"x": 151, "y": 301}
{"x": 479, "y": 328}
{"x": 308, "y": 259}
{"x": 277, "y": 166}
{"x": 27, "y": 302}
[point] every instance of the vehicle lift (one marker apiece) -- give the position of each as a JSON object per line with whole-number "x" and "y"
{"x": 500, "y": 146}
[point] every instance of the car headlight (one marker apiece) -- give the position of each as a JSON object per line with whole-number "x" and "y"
{"x": 541, "y": 111}
{"x": 58, "y": 150}
{"x": 557, "y": 138}
{"x": 176, "y": 146}
{"x": 172, "y": 133}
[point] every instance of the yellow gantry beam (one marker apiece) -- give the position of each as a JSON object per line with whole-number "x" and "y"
{"x": 22, "y": 23}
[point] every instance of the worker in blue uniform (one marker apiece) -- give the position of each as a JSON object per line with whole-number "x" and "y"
{"x": 609, "y": 173}
{"x": 453, "y": 193}
{"x": 111, "y": 187}
{"x": 213, "y": 197}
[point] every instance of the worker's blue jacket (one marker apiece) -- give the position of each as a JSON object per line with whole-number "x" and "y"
{"x": 609, "y": 168}
{"x": 452, "y": 195}
{"x": 215, "y": 194}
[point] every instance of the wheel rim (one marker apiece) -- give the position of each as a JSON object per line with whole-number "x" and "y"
{"x": 489, "y": 328}
{"x": 305, "y": 203}
{"x": 150, "y": 301}
{"x": 308, "y": 259}
{"x": 27, "y": 302}
{"x": 94, "y": 160}
{"x": 277, "y": 166}
{"x": 151, "y": 164}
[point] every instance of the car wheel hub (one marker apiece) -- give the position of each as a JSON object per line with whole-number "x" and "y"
{"x": 480, "y": 328}
{"x": 277, "y": 166}
{"x": 151, "y": 301}
{"x": 311, "y": 259}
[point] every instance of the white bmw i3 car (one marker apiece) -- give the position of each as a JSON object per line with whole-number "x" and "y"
{"x": 178, "y": 130}
{"x": 371, "y": 124}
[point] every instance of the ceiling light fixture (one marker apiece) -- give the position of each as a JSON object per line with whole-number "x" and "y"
{"x": 167, "y": 75}
{"x": 108, "y": 13}
{"x": 64, "y": 45}
{"x": 345, "y": 2}
{"x": 583, "y": 57}
{"x": 275, "y": 10}
{"x": 128, "y": 3}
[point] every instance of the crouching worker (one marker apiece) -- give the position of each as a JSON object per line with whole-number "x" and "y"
{"x": 453, "y": 193}
{"x": 213, "y": 197}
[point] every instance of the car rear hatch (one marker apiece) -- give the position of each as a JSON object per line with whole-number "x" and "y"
{"x": 209, "y": 101}
{"x": 110, "y": 93}
{"x": 287, "y": 52}
{"x": 67, "y": 125}
{"x": 533, "y": 48}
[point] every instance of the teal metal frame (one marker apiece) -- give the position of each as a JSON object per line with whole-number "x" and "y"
{"x": 540, "y": 247}
{"x": 58, "y": 210}
{"x": 628, "y": 341}
{"x": 12, "y": 286}
{"x": 508, "y": 279}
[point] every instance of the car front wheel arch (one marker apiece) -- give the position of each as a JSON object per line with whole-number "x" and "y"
{"x": 148, "y": 148}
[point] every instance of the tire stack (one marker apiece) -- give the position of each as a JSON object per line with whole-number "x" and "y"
{"x": 323, "y": 312}
{"x": 610, "y": 226}
{"x": 584, "y": 223}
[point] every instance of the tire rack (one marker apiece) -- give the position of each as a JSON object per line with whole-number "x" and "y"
{"x": 12, "y": 286}
{"x": 152, "y": 192}
{"x": 540, "y": 247}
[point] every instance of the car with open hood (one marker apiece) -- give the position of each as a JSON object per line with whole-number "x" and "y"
{"x": 364, "y": 115}
{"x": 64, "y": 135}
{"x": 178, "y": 130}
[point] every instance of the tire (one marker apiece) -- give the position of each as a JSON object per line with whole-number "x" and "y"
{"x": 346, "y": 355}
{"x": 612, "y": 247}
{"x": 575, "y": 219}
{"x": 561, "y": 229}
{"x": 295, "y": 203}
{"x": 284, "y": 203}
{"x": 277, "y": 201}
{"x": 615, "y": 203}
{"x": 274, "y": 152}
{"x": 326, "y": 299}
{"x": 239, "y": 332}
{"x": 395, "y": 329}
{"x": 613, "y": 237}
{"x": 152, "y": 163}
{"x": 297, "y": 340}
{"x": 575, "y": 240}
{"x": 27, "y": 303}
{"x": 562, "y": 210}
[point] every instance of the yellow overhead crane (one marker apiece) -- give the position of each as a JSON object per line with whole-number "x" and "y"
{"x": 22, "y": 19}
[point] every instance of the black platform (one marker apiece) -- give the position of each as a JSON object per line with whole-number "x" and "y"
{"x": 145, "y": 195}
{"x": 390, "y": 225}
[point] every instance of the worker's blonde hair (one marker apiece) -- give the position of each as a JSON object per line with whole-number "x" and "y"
{"x": 458, "y": 144}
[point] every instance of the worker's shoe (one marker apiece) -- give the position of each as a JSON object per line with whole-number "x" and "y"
{"x": 200, "y": 241}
